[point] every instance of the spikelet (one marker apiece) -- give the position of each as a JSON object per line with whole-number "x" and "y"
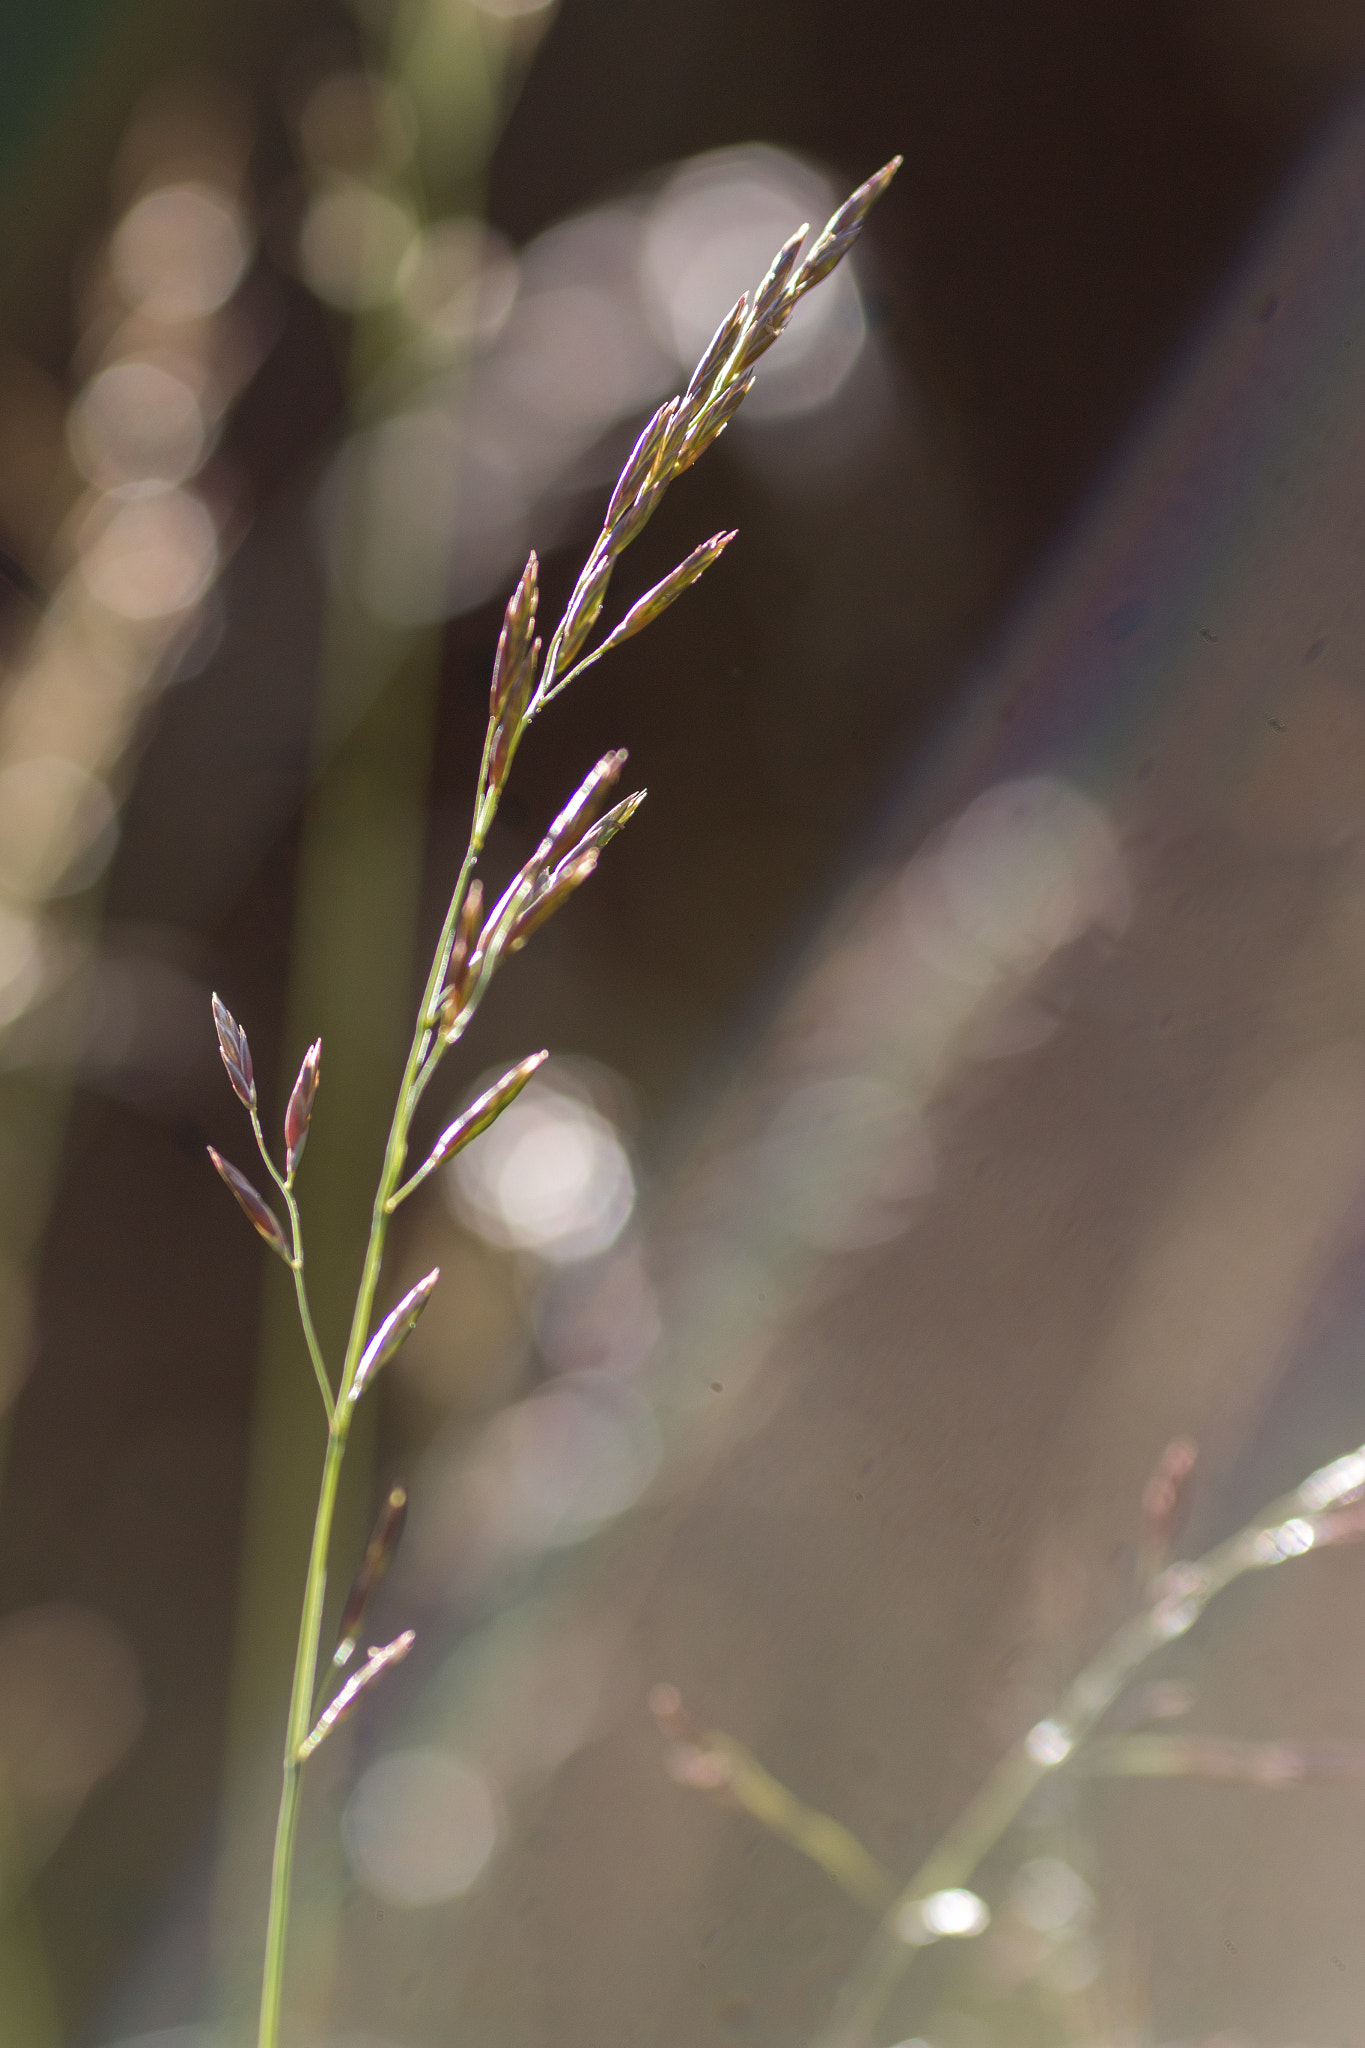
{"x": 393, "y": 1332}
{"x": 516, "y": 639}
{"x": 568, "y": 876}
{"x": 379, "y": 1554}
{"x": 236, "y": 1053}
{"x": 298, "y": 1115}
{"x": 639, "y": 463}
{"x": 568, "y": 828}
{"x": 340, "y": 1707}
{"x": 716, "y": 355}
{"x": 648, "y": 608}
{"x": 485, "y": 1110}
{"x": 837, "y": 238}
{"x": 258, "y": 1212}
{"x": 462, "y": 969}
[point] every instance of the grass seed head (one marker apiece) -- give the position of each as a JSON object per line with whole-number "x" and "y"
{"x": 648, "y": 608}
{"x": 835, "y": 240}
{"x": 716, "y": 355}
{"x": 771, "y": 294}
{"x": 585, "y": 608}
{"x": 568, "y": 876}
{"x": 462, "y": 968}
{"x": 711, "y": 424}
{"x": 610, "y": 823}
{"x": 397, "y": 1326}
{"x": 485, "y": 1110}
{"x": 236, "y": 1053}
{"x": 578, "y": 813}
{"x": 516, "y": 640}
{"x": 257, "y": 1211}
{"x": 298, "y": 1114}
{"x": 379, "y": 1554}
{"x": 639, "y": 462}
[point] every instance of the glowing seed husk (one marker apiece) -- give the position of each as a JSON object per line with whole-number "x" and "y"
{"x": 585, "y": 608}
{"x": 648, "y": 608}
{"x": 838, "y": 236}
{"x": 462, "y": 967}
{"x": 770, "y": 294}
{"x": 340, "y": 1707}
{"x": 485, "y": 1110}
{"x": 717, "y": 353}
{"x": 567, "y": 877}
{"x": 610, "y": 823}
{"x": 395, "y": 1329}
{"x": 639, "y": 462}
{"x": 578, "y": 813}
{"x": 713, "y": 422}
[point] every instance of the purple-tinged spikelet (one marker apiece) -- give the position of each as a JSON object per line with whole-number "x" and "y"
{"x": 298, "y": 1113}
{"x": 379, "y": 1553}
{"x": 258, "y": 1213}
{"x": 395, "y": 1329}
{"x": 236, "y": 1053}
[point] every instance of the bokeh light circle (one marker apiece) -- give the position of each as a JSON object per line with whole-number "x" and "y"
{"x": 419, "y": 1827}
{"x": 551, "y": 1177}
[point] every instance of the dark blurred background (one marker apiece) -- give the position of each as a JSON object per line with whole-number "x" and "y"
{"x": 1078, "y": 183}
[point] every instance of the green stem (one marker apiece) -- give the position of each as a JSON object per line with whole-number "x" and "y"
{"x": 284, "y": 1183}
{"x": 306, "y": 1320}
{"x": 300, "y": 1714}
{"x": 315, "y": 1585}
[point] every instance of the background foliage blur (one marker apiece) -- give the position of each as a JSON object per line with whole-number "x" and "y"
{"x": 315, "y": 319}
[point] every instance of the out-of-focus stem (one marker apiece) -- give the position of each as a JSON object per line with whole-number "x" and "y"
{"x": 1289, "y": 1527}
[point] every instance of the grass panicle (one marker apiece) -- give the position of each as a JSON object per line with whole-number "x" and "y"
{"x": 469, "y": 951}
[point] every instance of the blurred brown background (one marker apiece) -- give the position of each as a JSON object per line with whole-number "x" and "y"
{"x": 1078, "y": 184}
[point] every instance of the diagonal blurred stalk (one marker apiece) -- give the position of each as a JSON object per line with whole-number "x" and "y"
{"x": 352, "y": 983}
{"x": 74, "y": 692}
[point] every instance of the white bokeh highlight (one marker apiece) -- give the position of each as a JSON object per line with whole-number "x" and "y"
{"x": 712, "y": 233}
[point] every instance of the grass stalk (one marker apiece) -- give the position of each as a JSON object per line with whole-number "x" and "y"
{"x": 300, "y": 1714}
{"x": 469, "y": 950}
{"x": 304, "y": 1685}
